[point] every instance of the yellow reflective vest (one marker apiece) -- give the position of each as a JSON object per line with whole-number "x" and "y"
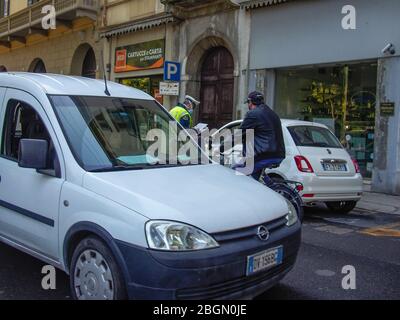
{"x": 182, "y": 116}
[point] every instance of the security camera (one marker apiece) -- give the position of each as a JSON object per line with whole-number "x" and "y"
{"x": 389, "y": 48}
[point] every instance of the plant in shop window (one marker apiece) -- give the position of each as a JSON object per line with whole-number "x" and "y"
{"x": 323, "y": 101}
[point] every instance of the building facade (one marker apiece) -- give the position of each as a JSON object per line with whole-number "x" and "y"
{"x": 202, "y": 36}
{"x": 137, "y": 37}
{"x": 314, "y": 60}
{"x": 212, "y": 45}
{"x": 324, "y": 61}
{"x": 71, "y": 48}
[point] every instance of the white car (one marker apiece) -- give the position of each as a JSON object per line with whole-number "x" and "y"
{"x": 79, "y": 190}
{"x": 315, "y": 158}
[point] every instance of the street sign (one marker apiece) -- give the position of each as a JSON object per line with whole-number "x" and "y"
{"x": 169, "y": 88}
{"x": 172, "y": 71}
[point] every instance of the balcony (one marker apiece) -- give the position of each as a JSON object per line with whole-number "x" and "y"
{"x": 192, "y": 8}
{"x": 186, "y": 4}
{"x": 29, "y": 20}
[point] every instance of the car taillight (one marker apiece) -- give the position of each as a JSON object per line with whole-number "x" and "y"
{"x": 356, "y": 166}
{"x": 303, "y": 164}
{"x": 308, "y": 195}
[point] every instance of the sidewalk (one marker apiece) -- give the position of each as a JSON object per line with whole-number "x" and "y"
{"x": 379, "y": 202}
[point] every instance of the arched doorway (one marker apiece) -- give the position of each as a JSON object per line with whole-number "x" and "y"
{"x": 84, "y": 62}
{"x": 3, "y": 69}
{"x": 217, "y": 88}
{"x": 37, "y": 66}
{"x": 89, "y": 65}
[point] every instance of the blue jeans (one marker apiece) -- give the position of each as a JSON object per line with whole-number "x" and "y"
{"x": 259, "y": 166}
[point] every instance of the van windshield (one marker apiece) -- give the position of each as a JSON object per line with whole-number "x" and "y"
{"x": 313, "y": 136}
{"x": 108, "y": 134}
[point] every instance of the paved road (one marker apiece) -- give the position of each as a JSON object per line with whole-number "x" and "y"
{"x": 329, "y": 243}
{"x": 366, "y": 240}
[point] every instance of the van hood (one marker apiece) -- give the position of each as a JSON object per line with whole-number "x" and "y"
{"x": 210, "y": 197}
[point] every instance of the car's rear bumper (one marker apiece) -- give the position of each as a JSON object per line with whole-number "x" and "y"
{"x": 208, "y": 274}
{"x": 327, "y": 189}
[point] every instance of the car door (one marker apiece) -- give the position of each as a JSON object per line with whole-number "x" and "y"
{"x": 29, "y": 200}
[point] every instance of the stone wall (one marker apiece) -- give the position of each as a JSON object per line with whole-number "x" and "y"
{"x": 386, "y": 174}
{"x": 229, "y": 28}
{"x": 56, "y": 51}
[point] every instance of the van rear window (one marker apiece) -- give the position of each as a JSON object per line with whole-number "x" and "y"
{"x": 313, "y": 136}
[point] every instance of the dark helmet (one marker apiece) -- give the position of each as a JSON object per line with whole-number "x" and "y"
{"x": 256, "y": 98}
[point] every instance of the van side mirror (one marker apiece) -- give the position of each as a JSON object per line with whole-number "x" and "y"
{"x": 33, "y": 154}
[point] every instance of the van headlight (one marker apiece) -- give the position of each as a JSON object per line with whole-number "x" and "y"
{"x": 176, "y": 236}
{"x": 292, "y": 215}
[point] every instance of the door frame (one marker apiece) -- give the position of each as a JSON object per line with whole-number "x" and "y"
{"x": 48, "y": 223}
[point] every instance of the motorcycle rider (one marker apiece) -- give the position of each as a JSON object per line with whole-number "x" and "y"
{"x": 269, "y": 145}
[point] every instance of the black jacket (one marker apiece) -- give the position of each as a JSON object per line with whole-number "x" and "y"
{"x": 268, "y": 135}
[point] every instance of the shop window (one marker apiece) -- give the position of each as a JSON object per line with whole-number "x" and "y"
{"x": 341, "y": 97}
{"x": 150, "y": 84}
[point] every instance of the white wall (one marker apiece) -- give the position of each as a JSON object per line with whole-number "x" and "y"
{"x": 310, "y": 32}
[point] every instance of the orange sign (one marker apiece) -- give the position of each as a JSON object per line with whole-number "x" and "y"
{"x": 120, "y": 60}
{"x": 141, "y": 56}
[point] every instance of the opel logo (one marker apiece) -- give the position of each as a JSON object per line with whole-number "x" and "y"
{"x": 263, "y": 233}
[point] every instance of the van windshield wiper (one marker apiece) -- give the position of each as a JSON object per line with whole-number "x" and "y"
{"x": 120, "y": 168}
{"x": 141, "y": 166}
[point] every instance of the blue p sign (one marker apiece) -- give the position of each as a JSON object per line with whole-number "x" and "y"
{"x": 172, "y": 71}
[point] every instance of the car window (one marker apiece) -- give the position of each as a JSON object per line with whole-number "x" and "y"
{"x": 313, "y": 136}
{"x": 23, "y": 122}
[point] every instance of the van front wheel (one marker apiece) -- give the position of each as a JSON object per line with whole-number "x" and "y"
{"x": 94, "y": 273}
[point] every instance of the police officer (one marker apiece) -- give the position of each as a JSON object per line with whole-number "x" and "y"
{"x": 183, "y": 112}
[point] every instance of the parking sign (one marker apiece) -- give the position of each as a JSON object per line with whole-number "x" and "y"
{"x": 172, "y": 71}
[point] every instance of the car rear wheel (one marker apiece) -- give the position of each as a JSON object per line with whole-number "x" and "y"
{"x": 341, "y": 206}
{"x": 94, "y": 273}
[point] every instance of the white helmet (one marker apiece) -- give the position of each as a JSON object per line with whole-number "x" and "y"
{"x": 192, "y": 100}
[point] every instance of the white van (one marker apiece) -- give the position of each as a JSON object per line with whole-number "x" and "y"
{"x": 78, "y": 192}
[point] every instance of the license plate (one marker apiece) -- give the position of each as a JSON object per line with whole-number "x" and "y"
{"x": 334, "y": 167}
{"x": 264, "y": 260}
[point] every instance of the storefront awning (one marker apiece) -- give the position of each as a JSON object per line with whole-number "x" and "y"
{"x": 253, "y": 4}
{"x": 139, "y": 26}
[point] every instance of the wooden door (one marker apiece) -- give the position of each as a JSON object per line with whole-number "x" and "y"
{"x": 217, "y": 85}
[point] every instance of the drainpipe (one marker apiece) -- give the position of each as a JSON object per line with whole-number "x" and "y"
{"x": 108, "y": 39}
